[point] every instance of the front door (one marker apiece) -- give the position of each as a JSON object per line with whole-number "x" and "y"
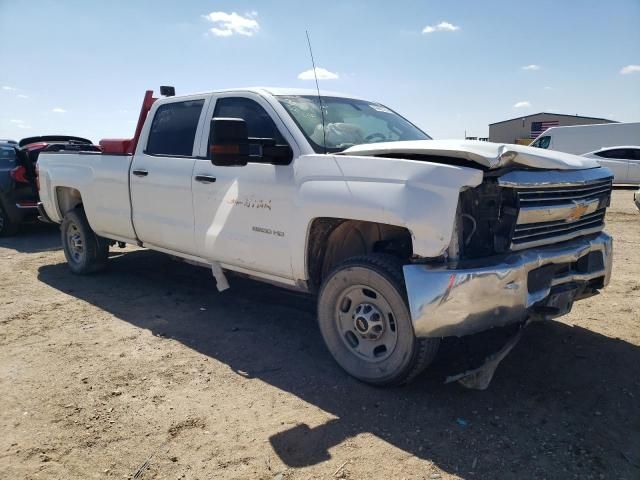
{"x": 161, "y": 178}
{"x": 243, "y": 214}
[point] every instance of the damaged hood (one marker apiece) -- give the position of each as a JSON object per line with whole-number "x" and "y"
{"x": 486, "y": 154}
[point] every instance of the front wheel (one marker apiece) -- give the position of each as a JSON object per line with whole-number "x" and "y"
{"x": 366, "y": 324}
{"x": 85, "y": 251}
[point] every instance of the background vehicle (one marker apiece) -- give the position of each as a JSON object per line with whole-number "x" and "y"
{"x": 7, "y": 163}
{"x": 403, "y": 239}
{"x": 581, "y": 139}
{"x": 623, "y": 161}
{"x": 18, "y": 176}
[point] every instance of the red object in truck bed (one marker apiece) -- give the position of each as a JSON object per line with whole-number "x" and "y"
{"x": 127, "y": 146}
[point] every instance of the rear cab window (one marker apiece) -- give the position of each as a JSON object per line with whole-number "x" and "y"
{"x": 173, "y": 130}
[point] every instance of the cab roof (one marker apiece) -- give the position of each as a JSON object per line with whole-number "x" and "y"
{"x": 277, "y": 91}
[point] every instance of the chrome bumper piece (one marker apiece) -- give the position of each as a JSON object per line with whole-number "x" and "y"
{"x": 539, "y": 281}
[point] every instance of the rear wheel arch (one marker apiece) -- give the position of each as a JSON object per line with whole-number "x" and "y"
{"x": 67, "y": 199}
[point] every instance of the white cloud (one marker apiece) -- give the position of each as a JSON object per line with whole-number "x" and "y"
{"x": 8, "y": 88}
{"x": 548, "y": 88}
{"x": 531, "y": 67}
{"x": 522, "y": 104}
{"x": 227, "y": 24}
{"x": 19, "y": 124}
{"x": 22, "y": 95}
{"x": 630, "y": 69}
{"x": 322, "y": 73}
{"x": 441, "y": 27}
{"x": 58, "y": 110}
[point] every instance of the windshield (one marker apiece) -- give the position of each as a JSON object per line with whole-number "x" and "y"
{"x": 348, "y": 122}
{"x": 542, "y": 142}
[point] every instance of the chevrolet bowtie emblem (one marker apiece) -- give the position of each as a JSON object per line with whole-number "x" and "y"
{"x": 578, "y": 211}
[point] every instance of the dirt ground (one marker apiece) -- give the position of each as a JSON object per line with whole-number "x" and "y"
{"x": 145, "y": 371}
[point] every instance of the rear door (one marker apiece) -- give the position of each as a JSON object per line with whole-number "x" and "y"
{"x": 160, "y": 176}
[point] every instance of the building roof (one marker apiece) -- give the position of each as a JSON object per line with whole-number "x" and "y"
{"x": 551, "y": 113}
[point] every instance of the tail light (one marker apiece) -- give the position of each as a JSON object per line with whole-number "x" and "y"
{"x": 19, "y": 174}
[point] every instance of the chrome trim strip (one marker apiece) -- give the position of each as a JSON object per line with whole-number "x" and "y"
{"x": 556, "y": 238}
{"x": 556, "y": 212}
{"x": 523, "y": 179}
{"x": 455, "y": 302}
{"x": 598, "y": 214}
{"x": 26, "y": 207}
{"x": 604, "y": 190}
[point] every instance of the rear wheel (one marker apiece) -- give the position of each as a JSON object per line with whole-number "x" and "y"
{"x": 7, "y": 227}
{"x": 366, "y": 323}
{"x": 85, "y": 251}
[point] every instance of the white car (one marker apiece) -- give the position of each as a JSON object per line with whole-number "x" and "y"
{"x": 403, "y": 239}
{"x": 623, "y": 161}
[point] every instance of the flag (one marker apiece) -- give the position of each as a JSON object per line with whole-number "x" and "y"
{"x": 538, "y": 128}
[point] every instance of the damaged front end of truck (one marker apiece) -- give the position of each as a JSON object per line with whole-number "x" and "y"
{"x": 527, "y": 243}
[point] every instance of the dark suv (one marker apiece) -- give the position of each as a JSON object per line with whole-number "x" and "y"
{"x": 19, "y": 175}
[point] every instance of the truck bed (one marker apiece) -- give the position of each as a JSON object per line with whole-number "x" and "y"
{"x": 106, "y": 176}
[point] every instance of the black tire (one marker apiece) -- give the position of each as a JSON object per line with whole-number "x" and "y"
{"x": 7, "y": 226}
{"x": 379, "y": 281}
{"x": 85, "y": 251}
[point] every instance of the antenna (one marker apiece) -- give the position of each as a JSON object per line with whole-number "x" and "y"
{"x": 315, "y": 75}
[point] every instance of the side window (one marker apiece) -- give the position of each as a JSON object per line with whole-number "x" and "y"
{"x": 615, "y": 153}
{"x": 259, "y": 123}
{"x": 174, "y": 128}
{"x": 636, "y": 153}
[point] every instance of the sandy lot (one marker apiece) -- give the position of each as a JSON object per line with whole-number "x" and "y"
{"x": 145, "y": 371}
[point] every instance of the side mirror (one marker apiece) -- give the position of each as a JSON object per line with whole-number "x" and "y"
{"x": 228, "y": 142}
{"x": 230, "y": 145}
{"x": 273, "y": 153}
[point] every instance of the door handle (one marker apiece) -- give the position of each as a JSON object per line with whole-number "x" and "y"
{"x": 140, "y": 173}
{"x": 205, "y": 178}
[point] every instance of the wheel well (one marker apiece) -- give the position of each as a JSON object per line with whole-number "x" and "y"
{"x": 67, "y": 198}
{"x": 332, "y": 240}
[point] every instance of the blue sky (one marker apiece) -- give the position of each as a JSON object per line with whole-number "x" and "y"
{"x": 81, "y": 67}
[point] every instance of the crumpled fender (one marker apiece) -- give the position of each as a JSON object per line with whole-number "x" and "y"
{"x": 420, "y": 196}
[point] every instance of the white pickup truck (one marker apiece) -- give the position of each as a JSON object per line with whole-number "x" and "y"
{"x": 404, "y": 240}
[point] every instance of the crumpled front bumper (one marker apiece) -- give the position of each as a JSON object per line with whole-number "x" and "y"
{"x": 539, "y": 281}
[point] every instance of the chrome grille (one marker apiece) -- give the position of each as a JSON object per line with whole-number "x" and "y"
{"x": 560, "y": 195}
{"x": 565, "y": 205}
